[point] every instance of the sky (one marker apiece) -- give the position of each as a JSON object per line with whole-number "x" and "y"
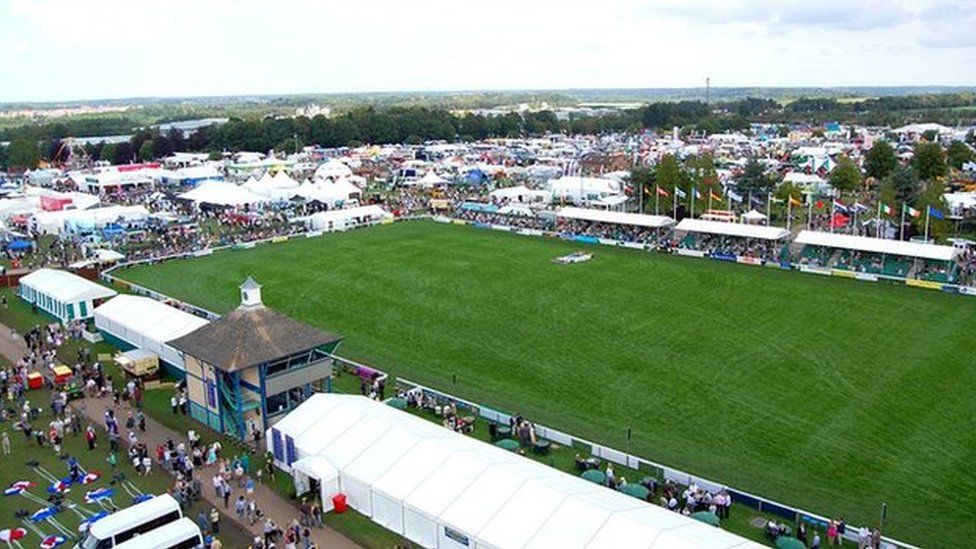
{"x": 93, "y": 49}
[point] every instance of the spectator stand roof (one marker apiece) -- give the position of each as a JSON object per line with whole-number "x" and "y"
{"x": 617, "y": 218}
{"x": 919, "y": 250}
{"x": 740, "y": 230}
{"x": 442, "y": 489}
{"x": 146, "y": 324}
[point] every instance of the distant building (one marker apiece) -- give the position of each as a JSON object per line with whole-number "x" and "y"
{"x": 253, "y": 365}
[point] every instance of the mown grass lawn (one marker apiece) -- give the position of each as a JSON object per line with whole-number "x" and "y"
{"x": 824, "y": 393}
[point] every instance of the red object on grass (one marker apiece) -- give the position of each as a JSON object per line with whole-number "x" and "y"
{"x": 339, "y": 503}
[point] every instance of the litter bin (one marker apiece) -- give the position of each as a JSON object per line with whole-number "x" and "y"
{"x": 339, "y": 503}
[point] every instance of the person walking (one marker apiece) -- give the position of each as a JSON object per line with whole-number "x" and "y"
{"x": 214, "y": 521}
{"x": 202, "y": 521}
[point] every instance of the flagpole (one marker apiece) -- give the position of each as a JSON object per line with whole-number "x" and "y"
{"x": 789, "y": 211}
{"x": 928, "y": 211}
{"x": 810, "y": 213}
{"x": 854, "y": 230}
{"x": 692, "y": 200}
{"x": 657, "y": 198}
{"x": 674, "y": 213}
{"x": 769, "y": 202}
{"x": 640, "y": 198}
{"x": 877, "y": 222}
{"x": 709, "y": 199}
{"x": 901, "y": 228}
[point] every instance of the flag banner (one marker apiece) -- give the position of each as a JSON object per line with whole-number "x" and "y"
{"x": 911, "y": 211}
{"x": 775, "y": 200}
{"x": 886, "y": 209}
{"x": 680, "y": 193}
{"x": 662, "y": 192}
{"x": 819, "y": 204}
{"x": 858, "y": 207}
{"x": 714, "y": 196}
{"x": 756, "y": 200}
{"x": 840, "y": 207}
{"x": 647, "y": 191}
{"x": 695, "y": 193}
{"x": 795, "y": 202}
{"x": 935, "y": 213}
{"x": 733, "y": 196}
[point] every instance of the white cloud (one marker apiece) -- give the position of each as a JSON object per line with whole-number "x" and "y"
{"x": 120, "y": 48}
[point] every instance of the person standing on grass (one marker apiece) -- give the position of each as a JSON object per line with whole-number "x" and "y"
{"x": 5, "y": 442}
{"x": 174, "y": 402}
{"x": 214, "y": 521}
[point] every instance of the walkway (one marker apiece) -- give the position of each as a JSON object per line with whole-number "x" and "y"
{"x": 275, "y": 507}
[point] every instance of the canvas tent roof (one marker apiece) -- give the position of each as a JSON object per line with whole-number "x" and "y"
{"x": 878, "y": 245}
{"x": 147, "y": 324}
{"x": 221, "y": 193}
{"x": 619, "y": 218}
{"x": 421, "y": 480}
{"x": 732, "y": 229}
{"x": 64, "y": 286}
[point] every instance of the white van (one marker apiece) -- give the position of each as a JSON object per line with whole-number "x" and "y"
{"x": 182, "y": 534}
{"x": 123, "y": 525}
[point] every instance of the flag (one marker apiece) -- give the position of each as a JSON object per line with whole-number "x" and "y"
{"x": 43, "y": 513}
{"x": 935, "y": 213}
{"x": 12, "y": 534}
{"x": 840, "y": 207}
{"x": 733, "y": 196}
{"x": 99, "y": 494}
{"x": 647, "y": 191}
{"x": 858, "y": 207}
{"x": 662, "y": 192}
{"x": 695, "y": 193}
{"x": 910, "y": 210}
{"x": 819, "y": 204}
{"x": 14, "y": 491}
{"x": 91, "y": 476}
{"x": 51, "y": 542}
{"x": 795, "y": 202}
{"x": 92, "y": 520}
{"x": 680, "y": 193}
{"x": 886, "y": 209}
{"x": 775, "y": 200}
{"x": 713, "y": 196}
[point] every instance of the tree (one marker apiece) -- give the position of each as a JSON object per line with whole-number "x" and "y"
{"x": 958, "y": 154}
{"x": 146, "y": 150}
{"x": 846, "y": 176}
{"x": 123, "y": 153}
{"x": 929, "y": 161}
{"x": 701, "y": 170}
{"x": 754, "y": 179}
{"x": 670, "y": 174}
{"x": 904, "y": 181}
{"x": 107, "y": 153}
{"x": 932, "y": 197}
{"x": 880, "y": 160}
{"x": 23, "y": 153}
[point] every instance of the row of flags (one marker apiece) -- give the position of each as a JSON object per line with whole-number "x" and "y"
{"x": 838, "y": 206}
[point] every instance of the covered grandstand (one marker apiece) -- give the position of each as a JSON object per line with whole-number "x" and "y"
{"x": 143, "y": 323}
{"x": 739, "y": 230}
{"x": 617, "y": 218}
{"x": 879, "y": 256}
{"x": 442, "y": 489}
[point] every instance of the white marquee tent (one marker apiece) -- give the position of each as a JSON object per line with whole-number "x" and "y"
{"x": 878, "y": 245}
{"x": 522, "y": 194}
{"x": 146, "y": 324}
{"x": 221, "y": 193}
{"x": 337, "y": 220}
{"x": 741, "y": 230}
{"x": 445, "y": 490}
{"x": 64, "y": 295}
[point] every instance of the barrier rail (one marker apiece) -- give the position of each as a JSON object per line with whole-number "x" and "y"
{"x": 678, "y": 476}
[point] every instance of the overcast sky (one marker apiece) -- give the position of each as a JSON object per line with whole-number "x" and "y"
{"x": 86, "y": 49}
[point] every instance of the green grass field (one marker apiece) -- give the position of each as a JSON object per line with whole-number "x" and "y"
{"x": 823, "y": 393}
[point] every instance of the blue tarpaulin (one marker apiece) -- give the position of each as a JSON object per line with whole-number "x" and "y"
{"x": 19, "y": 245}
